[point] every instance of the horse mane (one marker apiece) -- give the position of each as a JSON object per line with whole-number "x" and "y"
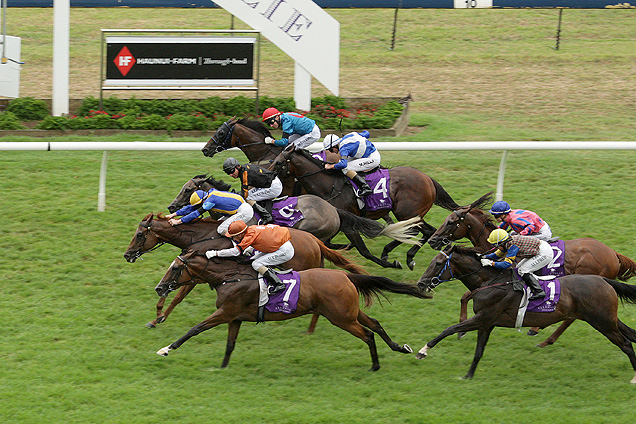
{"x": 257, "y": 126}
{"x": 465, "y": 249}
{"x": 484, "y": 217}
{"x": 307, "y": 155}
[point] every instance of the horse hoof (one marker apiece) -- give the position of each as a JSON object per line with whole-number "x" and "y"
{"x": 531, "y": 332}
{"x": 420, "y": 355}
{"x": 407, "y": 348}
{"x": 411, "y": 265}
{"x": 161, "y": 319}
{"x": 397, "y": 265}
{"x": 150, "y": 325}
{"x": 163, "y": 351}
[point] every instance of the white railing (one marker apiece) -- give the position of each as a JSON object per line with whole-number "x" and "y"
{"x": 382, "y": 146}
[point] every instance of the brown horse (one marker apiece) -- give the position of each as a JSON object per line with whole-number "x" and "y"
{"x": 412, "y": 192}
{"x": 320, "y": 218}
{"x": 154, "y": 231}
{"x": 590, "y": 298}
{"x": 331, "y": 293}
{"x": 582, "y": 255}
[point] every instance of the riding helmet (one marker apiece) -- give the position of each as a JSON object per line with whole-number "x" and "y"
{"x": 229, "y": 165}
{"x": 500, "y": 207}
{"x": 236, "y": 228}
{"x": 497, "y": 236}
{"x": 270, "y": 113}
{"x": 197, "y": 197}
{"x": 331, "y": 140}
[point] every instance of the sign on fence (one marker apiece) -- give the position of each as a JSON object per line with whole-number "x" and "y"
{"x": 179, "y": 61}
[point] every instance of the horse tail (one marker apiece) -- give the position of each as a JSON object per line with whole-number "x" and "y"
{"x": 626, "y": 292}
{"x": 370, "y": 286}
{"x": 404, "y": 231}
{"x": 350, "y": 223}
{"x": 442, "y": 198}
{"x": 338, "y": 259}
{"x": 627, "y": 267}
{"x": 627, "y": 331}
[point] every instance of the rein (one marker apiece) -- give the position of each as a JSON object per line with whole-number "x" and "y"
{"x": 436, "y": 281}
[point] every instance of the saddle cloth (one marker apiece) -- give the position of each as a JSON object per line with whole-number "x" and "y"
{"x": 285, "y": 213}
{"x": 379, "y": 182}
{"x": 285, "y": 301}
{"x": 552, "y": 289}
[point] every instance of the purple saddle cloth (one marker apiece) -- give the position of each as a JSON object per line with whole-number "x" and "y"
{"x": 286, "y": 301}
{"x": 556, "y": 266}
{"x": 380, "y": 198}
{"x": 285, "y": 213}
{"x": 552, "y": 289}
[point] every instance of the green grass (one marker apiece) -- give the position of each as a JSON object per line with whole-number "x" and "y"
{"x": 76, "y": 350}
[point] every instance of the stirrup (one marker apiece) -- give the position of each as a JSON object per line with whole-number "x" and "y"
{"x": 276, "y": 288}
{"x": 537, "y": 295}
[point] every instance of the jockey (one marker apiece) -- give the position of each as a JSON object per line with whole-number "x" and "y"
{"x": 272, "y": 245}
{"x": 521, "y": 221}
{"x": 357, "y": 154}
{"x": 534, "y": 254}
{"x": 230, "y": 206}
{"x": 265, "y": 184}
{"x": 297, "y": 129}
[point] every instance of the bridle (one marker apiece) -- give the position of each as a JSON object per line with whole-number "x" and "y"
{"x": 172, "y": 285}
{"x": 220, "y": 146}
{"x": 148, "y": 228}
{"x": 437, "y": 280}
{"x": 449, "y": 238}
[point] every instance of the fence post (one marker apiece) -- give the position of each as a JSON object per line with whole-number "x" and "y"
{"x": 101, "y": 195}
{"x": 500, "y": 177}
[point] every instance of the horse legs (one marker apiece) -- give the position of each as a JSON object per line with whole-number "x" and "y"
{"x": 232, "y": 333}
{"x": 388, "y": 248}
{"x": 557, "y": 333}
{"x": 463, "y": 311}
{"x": 181, "y": 294}
{"x": 352, "y": 326}
{"x": 374, "y": 325}
{"x": 427, "y": 231}
{"x": 470, "y": 324}
{"x": 312, "y": 324}
{"x": 482, "y": 338}
{"x": 213, "y": 320}
{"x": 357, "y": 241}
{"x": 619, "y": 334}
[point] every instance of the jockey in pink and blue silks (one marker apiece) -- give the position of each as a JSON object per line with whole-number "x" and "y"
{"x": 521, "y": 221}
{"x": 297, "y": 129}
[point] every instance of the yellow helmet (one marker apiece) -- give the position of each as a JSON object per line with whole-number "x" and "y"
{"x": 197, "y": 197}
{"x": 497, "y": 236}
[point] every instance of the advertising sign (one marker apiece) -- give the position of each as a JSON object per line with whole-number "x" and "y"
{"x": 179, "y": 61}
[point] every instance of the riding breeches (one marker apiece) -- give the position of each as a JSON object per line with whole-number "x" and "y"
{"x": 529, "y": 265}
{"x": 266, "y": 193}
{"x": 545, "y": 233}
{"x": 244, "y": 213}
{"x": 363, "y": 164}
{"x": 305, "y": 140}
{"x": 284, "y": 253}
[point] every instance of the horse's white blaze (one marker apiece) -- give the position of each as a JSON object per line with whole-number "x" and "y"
{"x": 163, "y": 351}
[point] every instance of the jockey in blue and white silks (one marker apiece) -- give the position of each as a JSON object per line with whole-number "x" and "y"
{"x": 357, "y": 154}
{"x": 231, "y": 206}
{"x": 297, "y": 129}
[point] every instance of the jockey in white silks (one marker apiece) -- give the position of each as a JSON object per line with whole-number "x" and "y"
{"x": 357, "y": 154}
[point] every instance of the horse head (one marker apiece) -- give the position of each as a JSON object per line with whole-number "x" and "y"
{"x": 281, "y": 163}
{"x": 452, "y": 263}
{"x": 187, "y": 268}
{"x": 199, "y": 182}
{"x": 143, "y": 240}
{"x": 460, "y": 223}
{"x": 221, "y": 139}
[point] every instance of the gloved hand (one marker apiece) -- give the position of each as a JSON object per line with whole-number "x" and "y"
{"x": 269, "y": 140}
{"x": 211, "y": 254}
{"x": 487, "y": 262}
{"x": 249, "y": 250}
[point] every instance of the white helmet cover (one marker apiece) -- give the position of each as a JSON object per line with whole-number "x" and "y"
{"x": 331, "y": 140}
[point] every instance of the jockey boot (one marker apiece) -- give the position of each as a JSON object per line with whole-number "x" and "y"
{"x": 271, "y": 277}
{"x": 266, "y": 217}
{"x": 533, "y": 282}
{"x": 363, "y": 188}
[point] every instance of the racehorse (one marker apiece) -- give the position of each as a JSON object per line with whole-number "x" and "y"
{"x": 590, "y": 298}
{"x": 331, "y": 293}
{"x": 582, "y": 255}
{"x": 320, "y": 218}
{"x": 412, "y": 192}
{"x": 154, "y": 231}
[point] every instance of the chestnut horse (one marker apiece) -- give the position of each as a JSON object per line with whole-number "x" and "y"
{"x": 412, "y": 192}
{"x": 590, "y": 298}
{"x": 320, "y": 218}
{"x": 154, "y": 231}
{"x": 331, "y": 293}
{"x": 582, "y": 255}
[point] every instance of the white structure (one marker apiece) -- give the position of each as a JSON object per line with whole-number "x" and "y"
{"x": 10, "y": 67}
{"x": 61, "y": 56}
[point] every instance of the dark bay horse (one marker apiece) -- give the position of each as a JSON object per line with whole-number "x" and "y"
{"x": 331, "y": 293}
{"x": 154, "y": 231}
{"x": 412, "y": 192}
{"x": 582, "y": 255}
{"x": 590, "y": 298}
{"x": 320, "y": 218}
